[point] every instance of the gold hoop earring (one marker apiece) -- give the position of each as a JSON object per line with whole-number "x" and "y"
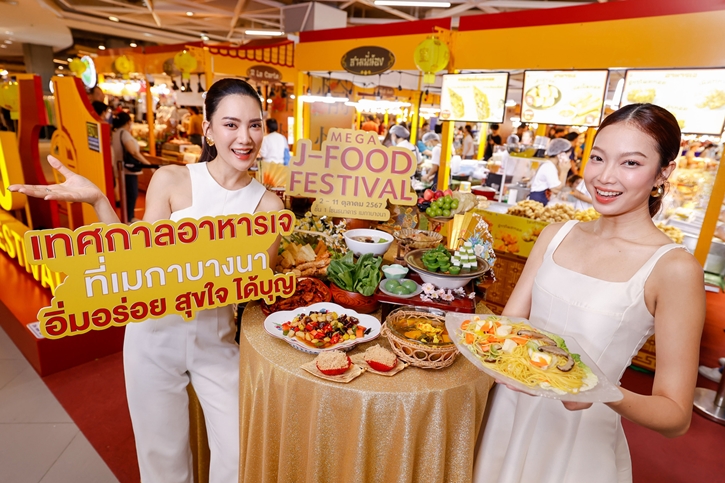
{"x": 657, "y": 192}
{"x": 209, "y": 141}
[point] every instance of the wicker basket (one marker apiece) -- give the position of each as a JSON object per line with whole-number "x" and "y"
{"x": 406, "y": 243}
{"x": 416, "y": 353}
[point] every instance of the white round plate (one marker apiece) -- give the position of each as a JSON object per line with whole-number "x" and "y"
{"x": 417, "y": 292}
{"x": 273, "y": 326}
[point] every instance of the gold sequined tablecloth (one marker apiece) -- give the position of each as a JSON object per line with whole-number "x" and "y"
{"x": 417, "y": 426}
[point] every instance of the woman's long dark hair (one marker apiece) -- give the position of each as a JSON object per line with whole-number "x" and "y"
{"x": 120, "y": 120}
{"x": 661, "y": 126}
{"x": 218, "y": 91}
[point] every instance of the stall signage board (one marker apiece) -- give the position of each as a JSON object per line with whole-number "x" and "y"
{"x": 512, "y": 234}
{"x": 264, "y": 73}
{"x": 474, "y": 97}
{"x": 696, "y": 97}
{"x": 118, "y": 274}
{"x": 369, "y": 60}
{"x": 564, "y": 97}
{"x": 352, "y": 176}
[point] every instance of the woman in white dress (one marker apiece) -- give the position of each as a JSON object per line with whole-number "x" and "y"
{"x": 162, "y": 356}
{"x": 609, "y": 284}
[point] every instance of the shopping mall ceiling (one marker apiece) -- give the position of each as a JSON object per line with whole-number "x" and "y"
{"x": 174, "y": 21}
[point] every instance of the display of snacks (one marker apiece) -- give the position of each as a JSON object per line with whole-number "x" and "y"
{"x": 322, "y": 326}
{"x": 333, "y": 363}
{"x": 412, "y": 331}
{"x": 536, "y": 211}
{"x": 353, "y": 372}
{"x": 380, "y": 359}
{"x": 359, "y": 360}
{"x": 443, "y": 278}
{"x": 527, "y": 209}
{"x": 309, "y": 291}
{"x": 410, "y": 239}
{"x": 438, "y": 259}
{"x": 589, "y": 214}
{"x": 673, "y": 232}
{"x": 303, "y": 260}
{"x": 518, "y": 351}
{"x": 363, "y": 240}
{"x": 394, "y": 271}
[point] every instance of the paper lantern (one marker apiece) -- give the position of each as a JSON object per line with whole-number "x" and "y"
{"x": 186, "y": 63}
{"x": 77, "y": 66}
{"x": 431, "y": 56}
{"x": 9, "y": 98}
{"x": 123, "y": 65}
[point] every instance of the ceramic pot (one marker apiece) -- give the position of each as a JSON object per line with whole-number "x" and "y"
{"x": 353, "y": 300}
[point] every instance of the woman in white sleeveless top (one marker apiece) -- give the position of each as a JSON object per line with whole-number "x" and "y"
{"x": 161, "y": 356}
{"x": 609, "y": 284}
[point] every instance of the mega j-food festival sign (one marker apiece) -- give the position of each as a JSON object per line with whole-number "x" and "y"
{"x": 353, "y": 175}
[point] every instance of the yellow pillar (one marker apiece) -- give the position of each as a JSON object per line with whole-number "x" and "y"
{"x": 208, "y": 68}
{"x": 413, "y": 122}
{"x": 358, "y": 124}
{"x": 482, "y": 140}
{"x": 541, "y": 130}
{"x": 299, "y": 107}
{"x": 444, "y": 170}
{"x": 150, "y": 119}
{"x": 588, "y": 143}
{"x": 711, "y": 215}
{"x": 385, "y": 121}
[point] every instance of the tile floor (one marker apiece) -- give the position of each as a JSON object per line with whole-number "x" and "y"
{"x": 39, "y": 443}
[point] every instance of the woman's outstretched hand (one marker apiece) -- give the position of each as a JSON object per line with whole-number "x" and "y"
{"x": 75, "y": 188}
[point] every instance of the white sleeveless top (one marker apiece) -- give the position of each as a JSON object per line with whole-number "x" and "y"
{"x": 536, "y": 439}
{"x": 208, "y": 198}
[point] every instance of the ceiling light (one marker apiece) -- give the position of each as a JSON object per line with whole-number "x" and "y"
{"x": 113, "y": 19}
{"x": 60, "y": 67}
{"x": 101, "y": 47}
{"x": 69, "y": 59}
{"x": 189, "y": 14}
{"x": 133, "y": 44}
{"x": 269, "y": 101}
{"x": 271, "y": 33}
{"x": 146, "y": 34}
{"x": 3, "y": 46}
{"x": 204, "y": 36}
{"x": 411, "y": 3}
{"x": 292, "y": 96}
{"x": 3, "y": 72}
{"x": 510, "y": 103}
{"x": 8, "y": 42}
{"x": 328, "y": 99}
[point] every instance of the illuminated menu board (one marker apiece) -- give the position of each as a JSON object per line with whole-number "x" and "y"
{"x": 696, "y": 97}
{"x": 564, "y": 97}
{"x": 474, "y": 97}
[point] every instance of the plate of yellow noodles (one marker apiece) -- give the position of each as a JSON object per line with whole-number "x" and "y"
{"x": 511, "y": 350}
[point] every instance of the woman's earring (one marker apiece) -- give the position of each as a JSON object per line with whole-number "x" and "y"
{"x": 657, "y": 192}
{"x": 209, "y": 141}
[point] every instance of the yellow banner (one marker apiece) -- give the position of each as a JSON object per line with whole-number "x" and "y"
{"x": 352, "y": 176}
{"x": 512, "y": 234}
{"x": 117, "y": 274}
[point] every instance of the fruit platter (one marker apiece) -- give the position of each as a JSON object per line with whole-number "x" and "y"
{"x": 322, "y": 326}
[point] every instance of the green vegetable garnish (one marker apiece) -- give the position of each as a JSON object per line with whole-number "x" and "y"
{"x": 362, "y": 277}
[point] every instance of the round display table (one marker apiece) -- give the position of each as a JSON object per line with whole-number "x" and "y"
{"x": 417, "y": 426}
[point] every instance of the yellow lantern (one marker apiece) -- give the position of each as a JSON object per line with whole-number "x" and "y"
{"x": 186, "y": 64}
{"x": 9, "y": 99}
{"x": 123, "y": 65}
{"x": 431, "y": 56}
{"x": 77, "y": 67}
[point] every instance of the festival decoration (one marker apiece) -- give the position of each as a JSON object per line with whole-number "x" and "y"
{"x": 431, "y": 56}
{"x": 186, "y": 63}
{"x": 123, "y": 65}
{"x": 77, "y": 66}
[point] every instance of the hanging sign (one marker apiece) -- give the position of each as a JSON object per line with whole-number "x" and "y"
{"x": 117, "y": 274}
{"x": 696, "y": 97}
{"x": 368, "y": 60}
{"x": 431, "y": 56}
{"x": 352, "y": 176}
{"x": 264, "y": 73}
{"x": 474, "y": 97}
{"x": 564, "y": 97}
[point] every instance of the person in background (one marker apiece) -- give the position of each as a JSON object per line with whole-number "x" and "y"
{"x": 713, "y": 373}
{"x": 422, "y": 148}
{"x": 433, "y": 144}
{"x": 582, "y": 198}
{"x": 493, "y": 139}
{"x": 97, "y": 98}
{"x": 195, "y": 120}
{"x": 274, "y": 146}
{"x": 550, "y": 176}
{"x": 468, "y": 142}
{"x": 123, "y": 142}
{"x": 520, "y": 130}
{"x": 370, "y": 124}
{"x": 400, "y": 136}
{"x": 388, "y": 141}
{"x": 559, "y": 132}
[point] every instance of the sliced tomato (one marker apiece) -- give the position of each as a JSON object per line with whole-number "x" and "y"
{"x": 359, "y": 332}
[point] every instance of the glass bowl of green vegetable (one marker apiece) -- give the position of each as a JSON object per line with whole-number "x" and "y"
{"x": 363, "y": 240}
